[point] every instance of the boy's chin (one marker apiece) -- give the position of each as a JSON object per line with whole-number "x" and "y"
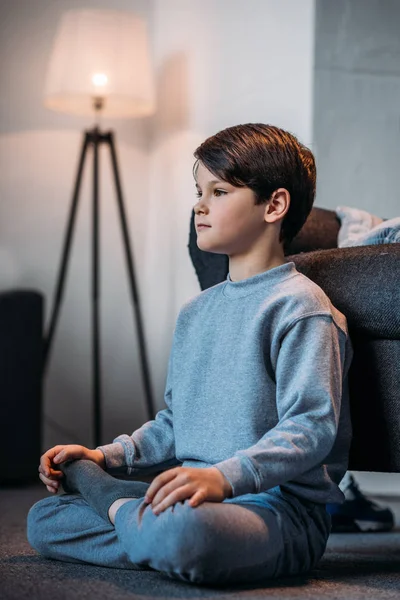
{"x": 209, "y": 248}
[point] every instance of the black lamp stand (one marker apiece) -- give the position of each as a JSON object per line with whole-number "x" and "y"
{"x": 94, "y": 138}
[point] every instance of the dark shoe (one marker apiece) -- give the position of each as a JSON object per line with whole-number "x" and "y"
{"x": 358, "y": 513}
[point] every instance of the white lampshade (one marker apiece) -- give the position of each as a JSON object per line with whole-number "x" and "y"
{"x": 101, "y": 53}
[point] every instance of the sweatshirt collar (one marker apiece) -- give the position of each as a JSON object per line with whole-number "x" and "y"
{"x": 259, "y": 282}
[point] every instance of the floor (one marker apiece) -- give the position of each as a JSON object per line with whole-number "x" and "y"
{"x": 355, "y": 566}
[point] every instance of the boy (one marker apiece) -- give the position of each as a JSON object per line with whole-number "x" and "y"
{"x": 256, "y": 433}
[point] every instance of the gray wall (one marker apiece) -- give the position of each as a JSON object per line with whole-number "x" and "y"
{"x": 357, "y": 104}
{"x": 357, "y": 121}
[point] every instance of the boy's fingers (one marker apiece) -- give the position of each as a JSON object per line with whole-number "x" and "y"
{"x": 47, "y": 481}
{"x": 65, "y": 454}
{"x": 177, "y": 495}
{"x": 59, "y": 457}
{"x": 47, "y": 457}
{"x": 158, "y": 483}
{"x": 48, "y": 472}
{"x": 165, "y": 492}
{"x": 45, "y": 464}
{"x": 55, "y": 475}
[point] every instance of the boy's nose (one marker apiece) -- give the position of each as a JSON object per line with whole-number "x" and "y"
{"x": 200, "y": 207}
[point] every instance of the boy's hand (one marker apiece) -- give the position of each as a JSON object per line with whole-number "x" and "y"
{"x": 177, "y": 484}
{"x": 59, "y": 454}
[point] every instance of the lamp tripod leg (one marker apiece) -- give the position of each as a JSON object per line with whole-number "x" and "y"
{"x": 132, "y": 281}
{"x": 96, "y": 355}
{"x": 48, "y": 339}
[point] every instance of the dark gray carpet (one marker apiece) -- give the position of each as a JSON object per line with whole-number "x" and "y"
{"x": 355, "y": 566}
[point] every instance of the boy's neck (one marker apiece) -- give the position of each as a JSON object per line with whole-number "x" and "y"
{"x": 243, "y": 267}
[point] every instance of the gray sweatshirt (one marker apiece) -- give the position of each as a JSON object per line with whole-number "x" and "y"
{"x": 257, "y": 386}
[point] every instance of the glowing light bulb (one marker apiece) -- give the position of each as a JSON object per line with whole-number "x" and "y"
{"x": 99, "y": 79}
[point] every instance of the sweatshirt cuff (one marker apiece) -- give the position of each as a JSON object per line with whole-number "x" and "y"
{"x": 241, "y": 474}
{"x": 114, "y": 455}
{"x": 121, "y": 453}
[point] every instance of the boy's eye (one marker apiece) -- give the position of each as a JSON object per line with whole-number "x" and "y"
{"x": 216, "y": 192}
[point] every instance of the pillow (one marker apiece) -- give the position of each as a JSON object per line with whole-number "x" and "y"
{"x": 355, "y": 224}
{"x": 387, "y": 232}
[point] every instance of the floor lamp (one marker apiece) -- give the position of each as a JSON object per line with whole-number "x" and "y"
{"x": 100, "y": 65}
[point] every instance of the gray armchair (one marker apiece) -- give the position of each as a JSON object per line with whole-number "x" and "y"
{"x": 363, "y": 283}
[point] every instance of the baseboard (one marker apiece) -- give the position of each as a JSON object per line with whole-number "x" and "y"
{"x": 378, "y": 484}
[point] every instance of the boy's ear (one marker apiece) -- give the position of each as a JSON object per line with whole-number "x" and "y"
{"x": 277, "y": 206}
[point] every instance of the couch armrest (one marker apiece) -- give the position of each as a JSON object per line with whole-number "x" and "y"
{"x": 362, "y": 282}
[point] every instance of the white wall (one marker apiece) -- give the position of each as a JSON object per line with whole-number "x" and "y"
{"x": 38, "y": 160}
{"x": 218, "y": 63}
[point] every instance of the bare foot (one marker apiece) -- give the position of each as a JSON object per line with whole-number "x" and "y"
{"x": 115, "y": 506}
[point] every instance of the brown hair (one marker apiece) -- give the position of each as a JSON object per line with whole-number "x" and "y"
{"x": 264, "y": 158}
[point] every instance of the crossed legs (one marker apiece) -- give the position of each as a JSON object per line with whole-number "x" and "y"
{"x": 227, "y": 542}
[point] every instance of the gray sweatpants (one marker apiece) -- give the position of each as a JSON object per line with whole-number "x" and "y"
{"x": 243, "y": 539}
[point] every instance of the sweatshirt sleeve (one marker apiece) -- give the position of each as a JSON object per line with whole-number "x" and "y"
{"x": 149, "y": 448}
{"x": 309, "y": 377}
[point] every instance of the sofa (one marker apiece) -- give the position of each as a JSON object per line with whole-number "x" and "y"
{"x": 363, "y": 283}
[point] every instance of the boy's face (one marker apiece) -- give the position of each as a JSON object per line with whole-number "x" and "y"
{"x": 235, "y": 223}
